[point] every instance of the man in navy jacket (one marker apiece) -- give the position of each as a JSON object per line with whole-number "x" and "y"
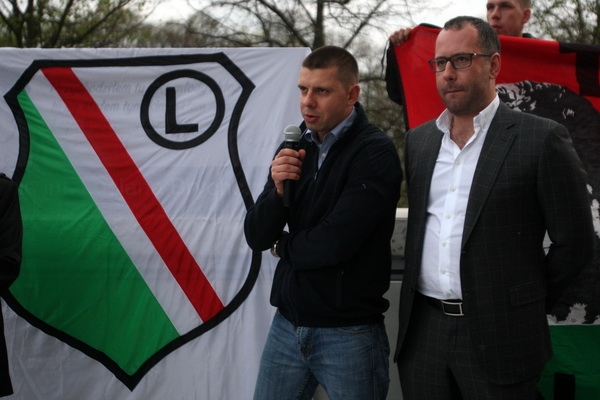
{"x": 334, "y": 264}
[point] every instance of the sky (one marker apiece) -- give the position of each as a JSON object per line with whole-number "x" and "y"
{"x": 179, "y": 9}
{"x": 448, "y": 9}
{"x": 170, "y": 10}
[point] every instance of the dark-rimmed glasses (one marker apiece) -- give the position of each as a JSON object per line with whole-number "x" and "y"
{"x": 458, "y": 61}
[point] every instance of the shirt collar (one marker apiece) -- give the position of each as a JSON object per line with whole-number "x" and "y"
{"x": 338, "y": 131}
{"x": 481, "y": 121}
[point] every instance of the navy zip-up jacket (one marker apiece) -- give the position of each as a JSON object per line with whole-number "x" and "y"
{"x": 335, "y": 262}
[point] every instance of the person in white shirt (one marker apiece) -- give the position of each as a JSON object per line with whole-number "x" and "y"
{"x": 485, "y": 183}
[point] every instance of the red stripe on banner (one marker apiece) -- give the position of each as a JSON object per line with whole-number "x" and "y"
{"x": 136, "y": 191}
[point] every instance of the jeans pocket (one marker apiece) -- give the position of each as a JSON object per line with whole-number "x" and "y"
{"x": 355, "y": 329}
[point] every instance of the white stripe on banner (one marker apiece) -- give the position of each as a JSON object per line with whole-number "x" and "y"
{"x": 195, "y": 180}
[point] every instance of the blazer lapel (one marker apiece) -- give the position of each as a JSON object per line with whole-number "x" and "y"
{"x": 422, "y": 154}
{"x": 497, "y": 143}
{"x": 425, "y": 146}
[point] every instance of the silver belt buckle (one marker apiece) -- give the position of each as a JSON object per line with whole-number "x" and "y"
{"x": 460, "y": 312}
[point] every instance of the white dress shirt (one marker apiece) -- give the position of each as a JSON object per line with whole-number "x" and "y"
{"x": 447, "y": 205}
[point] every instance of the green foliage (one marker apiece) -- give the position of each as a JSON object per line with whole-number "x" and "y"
{"x": 575, "y": 21}
{"x": 69, "y": 23}
{"x": 302, "y": 23}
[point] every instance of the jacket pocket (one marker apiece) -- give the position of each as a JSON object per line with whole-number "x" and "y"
{"x": 526, "y": 293}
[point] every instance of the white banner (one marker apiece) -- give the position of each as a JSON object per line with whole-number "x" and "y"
{"x": 135, "y": 170}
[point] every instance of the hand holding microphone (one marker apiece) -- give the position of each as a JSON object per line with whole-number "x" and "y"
{"x": 287, "y": 165}
{"x": 291, "y": 137}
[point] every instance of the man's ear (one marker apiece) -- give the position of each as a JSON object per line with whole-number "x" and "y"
{"x": 526, "y": 15}
{"x": 353, "y": 93}
{"x": 495, "y": 65}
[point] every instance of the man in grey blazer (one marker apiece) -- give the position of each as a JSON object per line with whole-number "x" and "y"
{"x": 485, "y": 184}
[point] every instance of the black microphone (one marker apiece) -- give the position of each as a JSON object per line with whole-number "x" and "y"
{"x": 291, "y": 138}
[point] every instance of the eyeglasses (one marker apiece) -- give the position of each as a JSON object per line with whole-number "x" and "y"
{"x": 458, "y": 61}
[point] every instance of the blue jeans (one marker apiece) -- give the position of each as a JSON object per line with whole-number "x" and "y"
{"x": 351, "y": 363}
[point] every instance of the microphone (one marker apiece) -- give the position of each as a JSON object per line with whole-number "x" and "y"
{"x": 291, "y": 137}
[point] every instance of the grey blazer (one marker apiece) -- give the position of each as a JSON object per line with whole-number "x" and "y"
{"x": 528, "y": 180}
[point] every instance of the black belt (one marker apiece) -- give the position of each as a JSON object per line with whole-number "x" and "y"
{"x": 453, "y": 308}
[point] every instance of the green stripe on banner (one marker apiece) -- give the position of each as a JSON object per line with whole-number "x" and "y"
{"x": 71, "y": 258}
{"x": 577, "y": 353}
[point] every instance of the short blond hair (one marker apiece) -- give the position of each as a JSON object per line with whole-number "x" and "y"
{"x": 525, "y": 3}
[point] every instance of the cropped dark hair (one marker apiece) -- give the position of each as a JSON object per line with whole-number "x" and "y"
{"x": 333, "y": 56}
{"x": 487, "y": 40}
